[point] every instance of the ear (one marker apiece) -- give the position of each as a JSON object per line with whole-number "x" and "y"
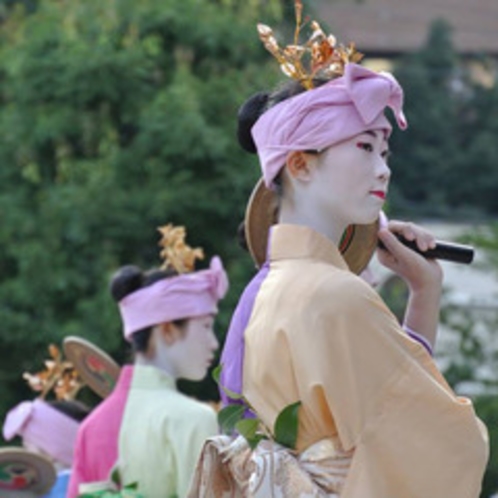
{"x": 298, "y": 165}
{"x": 169, "y": 333}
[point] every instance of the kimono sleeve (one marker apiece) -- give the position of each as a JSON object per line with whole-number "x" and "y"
{"x": 352, "y": 351}
{"x": 411, "y": 435}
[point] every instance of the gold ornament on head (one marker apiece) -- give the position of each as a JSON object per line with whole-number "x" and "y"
{"x": 175, "y": 252}
{"x": 319, "y": 57}
{"x": 59, "y": 376}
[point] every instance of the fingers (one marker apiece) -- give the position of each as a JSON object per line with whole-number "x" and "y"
{"x": 417, "y": 271}
{"x": 391, "y": 244}
{"x": 410, "y": 231}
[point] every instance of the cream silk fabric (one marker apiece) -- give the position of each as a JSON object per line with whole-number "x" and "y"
{"x": 228, "y": 469}
{"x": 321, "y": 335}
{"x": 161, "y": 435}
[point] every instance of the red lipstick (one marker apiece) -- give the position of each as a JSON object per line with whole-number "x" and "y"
{"x": 379, "y": 193}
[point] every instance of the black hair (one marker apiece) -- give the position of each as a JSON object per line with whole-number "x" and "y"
{"x": 241, "y": 236}
{"x": 131, "y": 278}
{"x": 247, "y": 115}
{"x": 251, "y": 110}
{"x": 72, "y": 408}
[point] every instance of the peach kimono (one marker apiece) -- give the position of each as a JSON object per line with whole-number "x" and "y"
{"x": 377, "y": 419}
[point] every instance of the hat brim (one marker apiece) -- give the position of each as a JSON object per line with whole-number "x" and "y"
{"x": 23, "y": 470}
{"x": 357, "y": 246}
{"x": 97, "y": 369}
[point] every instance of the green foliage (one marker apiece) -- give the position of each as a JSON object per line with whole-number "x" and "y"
{"x": 129, "y": 491}
{"x": 116, "y": 117}
{"x": 232, "y": 418}
{"x": 249, "y": 428}
{"x": 216, "y": 377}
{"x": 487, "y": 408}
{"x": 285, "y": 430}
{"x": 286, "y": 425}
{"x": 445, "y": 162}
{"x": 229, "y": 416}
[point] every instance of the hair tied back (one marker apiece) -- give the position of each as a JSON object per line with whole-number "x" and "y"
{"x": 249, "y": 112}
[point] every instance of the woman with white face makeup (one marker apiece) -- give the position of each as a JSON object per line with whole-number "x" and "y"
{"x": 168, "y": 316}
{"x": 376, "y": 417}
{"x": 48, "y": 426}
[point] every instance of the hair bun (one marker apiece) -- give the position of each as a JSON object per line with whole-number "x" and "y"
{"x": 248, "y": 114}
{"x": 125, "y": 281}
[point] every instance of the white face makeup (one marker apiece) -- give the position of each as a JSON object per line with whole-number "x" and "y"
{"x": 193, "y": 350}
{"x": 351, "y": 179}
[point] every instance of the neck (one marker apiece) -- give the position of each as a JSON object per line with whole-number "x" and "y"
{"x": 142, "y": 359}
{"x": 157, "y": 356}
{"x": 309, "y": 216}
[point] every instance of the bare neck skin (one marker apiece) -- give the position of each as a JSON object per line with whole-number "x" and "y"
{"x": 295, "y": 212}
{"x": 299, "y": 206}
{"x": 158, "y": 354}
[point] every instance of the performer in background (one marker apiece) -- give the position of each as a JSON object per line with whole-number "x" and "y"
{"x": 376, "y": 417}
{"x": 168, "y": 316}
{"x": 49, "y": 427}
{"x": 96, "y": 448}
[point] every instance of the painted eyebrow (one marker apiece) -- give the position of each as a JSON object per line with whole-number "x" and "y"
{"x": 371, "y": 133}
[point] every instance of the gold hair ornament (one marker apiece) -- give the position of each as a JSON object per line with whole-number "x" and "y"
{"x": 175, "y": 252}
{"x": 59, "y": 376}
{"x": 319, "y": 57}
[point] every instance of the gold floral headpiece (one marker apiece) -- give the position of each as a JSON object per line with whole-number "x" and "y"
{"x": 175, "y": 252}
{"x": 319, "y": 57}
{"x": 59, "y": 376}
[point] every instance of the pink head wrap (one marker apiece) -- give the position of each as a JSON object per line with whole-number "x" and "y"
{"x": 44, "y": 427}
{"x": 327, "y": 115}
{"x": 185, "y": 296}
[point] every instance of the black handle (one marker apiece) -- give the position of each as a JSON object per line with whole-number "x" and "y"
{"x": 449, "y": 251}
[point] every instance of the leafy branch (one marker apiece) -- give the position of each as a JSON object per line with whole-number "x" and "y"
{"x": 254, "y": 430}
{"x": 114, "y": 489}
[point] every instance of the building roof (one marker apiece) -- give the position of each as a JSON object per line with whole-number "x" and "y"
{"x": 390, "y": 27}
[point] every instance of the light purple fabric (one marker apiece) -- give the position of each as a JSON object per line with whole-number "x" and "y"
{"x": 44, "y": 427}
{"x": 232, "y": 357}
{"x": 419, "y": 338}
{"x": 185, "y": 296}
{"x": 324, "y": 116}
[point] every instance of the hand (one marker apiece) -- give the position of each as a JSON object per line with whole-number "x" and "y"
{"x": 419, "y": 273}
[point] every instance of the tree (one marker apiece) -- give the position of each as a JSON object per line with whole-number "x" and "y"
{"x": 426, "y": 151}
{"x": 116, "y": 117}
{"x": 444, "y": 164}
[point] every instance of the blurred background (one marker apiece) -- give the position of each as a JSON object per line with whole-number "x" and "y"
{"x": 118, "y": 116}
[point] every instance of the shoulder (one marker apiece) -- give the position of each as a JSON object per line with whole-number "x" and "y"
{"x": 190, "y": 417}
{"x": 187, "y": 408}
{"x": 106, "y": 413}
{"x": 345, "y": 303}
{"x": 341, "y": 288}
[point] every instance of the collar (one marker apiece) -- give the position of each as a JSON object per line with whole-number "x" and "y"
{"x": 148, "y": 377}
{"x": 301, "y": 242}
{"x": 124, "y": 379}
